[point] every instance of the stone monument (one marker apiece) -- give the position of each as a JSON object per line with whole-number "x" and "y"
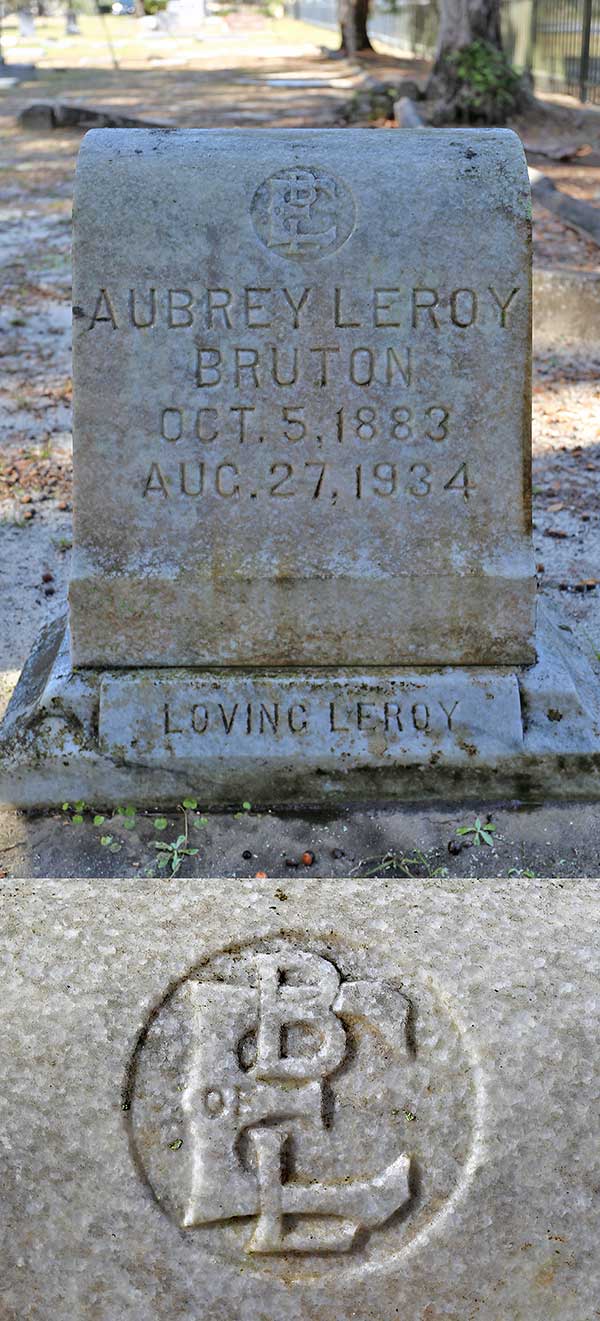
{"x": 184, "y": 17}
{"x": 302, "y": 554}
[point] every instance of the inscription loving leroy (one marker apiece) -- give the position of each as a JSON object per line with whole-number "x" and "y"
{"x": 315, "y": 445}
{"x": 202, "y": 722}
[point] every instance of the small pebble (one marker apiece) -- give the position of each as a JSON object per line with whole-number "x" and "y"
{"x": 308, "y": 858}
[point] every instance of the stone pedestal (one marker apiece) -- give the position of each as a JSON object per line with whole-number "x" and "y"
{"x": 424, "y": 1143}
{"x": 154, "y": 736}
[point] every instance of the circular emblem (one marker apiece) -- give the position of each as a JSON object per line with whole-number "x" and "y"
{"x": 303, "y": 213}
{"x": 292, "y": 1101}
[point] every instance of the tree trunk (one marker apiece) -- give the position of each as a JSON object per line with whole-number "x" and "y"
{"x": 471, "y": 80}
{"x": 71, "y": 24}
{"x": 353, "y": 23}
{"x": 465, "y": 21}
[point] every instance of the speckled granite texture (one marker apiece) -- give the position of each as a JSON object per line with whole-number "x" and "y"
{"x": 263, "y": 1101}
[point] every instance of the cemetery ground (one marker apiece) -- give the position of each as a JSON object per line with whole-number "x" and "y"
{"x": 255, "y": 72}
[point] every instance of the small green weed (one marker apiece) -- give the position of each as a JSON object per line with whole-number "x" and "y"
{"x": 77, "y": 810}
{"x": 246, "y": 807}
{"x": 482, "y": 834}
{"x": 412, "y": 865}
{"x": 488, "y": 88}
{"x": 172, "y": 855}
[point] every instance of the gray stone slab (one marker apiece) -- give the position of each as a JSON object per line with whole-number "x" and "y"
{"x": 369, "y": 1099}
{"x": 327, "y": 736}
{"x": 68, "y": 114}
{"x": 566, "y": 306}
{"x": 333, "y": 721}
{"x": 302, "y": 399}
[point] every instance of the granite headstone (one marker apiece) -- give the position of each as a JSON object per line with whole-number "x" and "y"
{"x": 302, "y": 561}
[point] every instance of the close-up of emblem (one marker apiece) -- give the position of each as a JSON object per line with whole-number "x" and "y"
{"x": 264, "y": 1087}
{"x": 277, "y": 1103}
{"x": 303, "y": 212}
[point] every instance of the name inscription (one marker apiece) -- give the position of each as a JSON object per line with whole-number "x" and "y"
{"x": 323, "y": 718}
{"x": 314, "y": 370}
{"x": 262, "y": 308}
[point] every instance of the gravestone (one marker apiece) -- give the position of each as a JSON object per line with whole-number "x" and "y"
{"x": 184, "y": 17}
{"x": 302, "y": 554}
{"x": 315, "y": 448}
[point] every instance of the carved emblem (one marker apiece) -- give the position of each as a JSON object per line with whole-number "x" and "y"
{"x": 303, "y": 212}
{"x": 271, "y": 1105}
{"x": 262, "y": 1054}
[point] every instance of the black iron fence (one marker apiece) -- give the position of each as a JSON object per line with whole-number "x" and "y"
{"x": 557, "y": 40}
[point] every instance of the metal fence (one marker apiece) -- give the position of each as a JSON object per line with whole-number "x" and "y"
{"x": 557, "y": 40}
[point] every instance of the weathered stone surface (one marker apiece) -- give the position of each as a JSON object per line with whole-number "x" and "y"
{"x": 330, "y": 720}
{"x": 566, "y": 306}
{"x": 153, "y": 736}
{"x": 185, "y": 16}
{"x": 66, "y": 114}
{"x": 368, "y": 1100}
{"x": 302, "y": 399}
{"x": 406, "y": 113}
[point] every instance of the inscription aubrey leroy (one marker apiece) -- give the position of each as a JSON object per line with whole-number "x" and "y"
{"x": 303, "y": 404}
{"x": 322, "y": 720}
{"x": 290, "y": 1104}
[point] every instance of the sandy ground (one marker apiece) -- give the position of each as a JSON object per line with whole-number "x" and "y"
{"x": 252, "y": 77}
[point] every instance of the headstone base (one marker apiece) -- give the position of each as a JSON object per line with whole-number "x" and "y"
{"x": 153, "y": 736}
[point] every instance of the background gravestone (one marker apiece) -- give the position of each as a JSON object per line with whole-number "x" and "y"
{"x": 302, "y": 399}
